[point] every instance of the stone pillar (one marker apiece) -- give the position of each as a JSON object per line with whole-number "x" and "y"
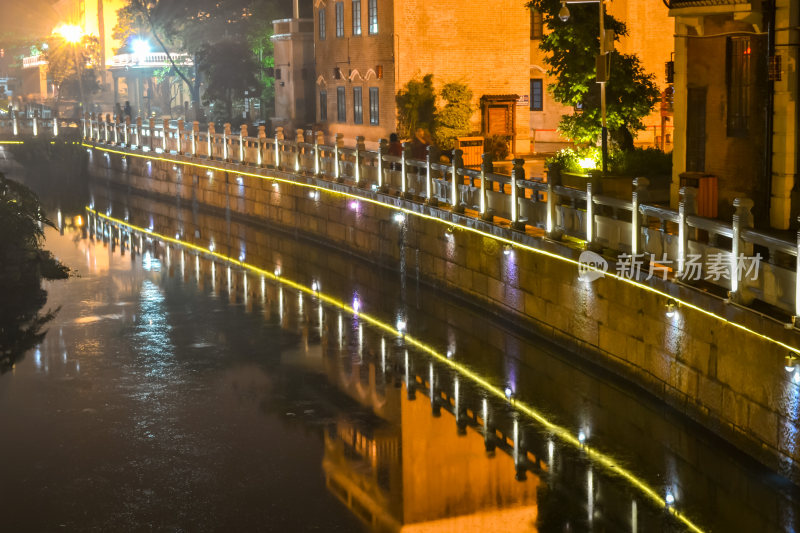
{"x": 337, "y": 147}
{"x": 742, "y": 219}
{"x": 211, "y": 133}
{"x": 242, "y": 140}
{"x": 126, "y": 130}
{"x": 317, "y": 158}
{"x": 383, "y": 147}
{"x": 152, "y": 127}
{"x": 195, "y": 136}
{"x": 15, "y": 125}
{"x": 457, "y": 163}
{"x": 299, "y": 140}
{"x": 686, "y": 207}
{"x": 226, "y": 136}
{"x": 55, "y": 127}
{"x": 165, "y": 133}
{"x": 262, "y": 141}
{"x": 357, "y": 171}
{"x": 487, "y": 166}
{"x": 517, "y": 175}
{"x": 36, "y": 125}
{"x": 139, "y": 133}
{"x": 105, "y": 127}
{"x": 404, "y": 169}
{"x": 431, "y": 198}
{"x": 179, "y": 137}
{"x": 639, "y": 186}
{"x": 278, "y": 140}
{"x": 589, "y": 215}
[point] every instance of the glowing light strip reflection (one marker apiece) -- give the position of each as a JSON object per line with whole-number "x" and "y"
{"x": 448, "y": 223}
{"x": 607, "y": 462}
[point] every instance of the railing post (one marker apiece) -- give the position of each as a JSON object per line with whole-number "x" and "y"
{"x": 337, "y": 167}
{"x": 195, "y": 136}
{"x": 299, "y": 139}
{"x": 383, "y": 147}
{"x": 242, "y": 137}
{"x": 106, "y": 122}
{"x": 317, "y": 155}
{"x": 262, "y": 137}
{"x": 517, "y": 175}
{"x": 589, "y": 215}
{"x": 639, "y": 186}
{"x": 456, "y": 164}
{"x": 165, "y": 135}
{"x": 151, "y": 126}
{"x": 179, "y": 137}
{"x": 15, "y": 126}
{"x": 431, "y": 199}
{"x": 126, "y": 130}
{"x": 404, "y": 169}
{"x": 116, "y": 129}
{"x": 226, "y": 135}
{"x": 357, "y": 171}
{"x": 211, "y": 133}
{"x": 686, "y": 207}
{"x": 90, "y": 117}
{"x": 487, "y": 166}
{"x": 35, "y": 125}
{"x": 139, "y": 133}
{"x": 742, "y": 219}
{"x": 278, "y": 139}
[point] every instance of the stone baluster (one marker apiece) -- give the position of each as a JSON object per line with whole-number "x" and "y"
{"x": 639, "y": 187}
{"x": 517, "y": 175}
{"x": 15, "y": 125}
{"x": 457, "y": 163}
{"x": 429, "y": 157}
{"x": 383, "y": 148}
{"x": 242, "y": 141}
{"x": 106, "y": 122}
{"x": 262, "y": 141}
{"x": 126, "y": 131}
{"x": 179, "y": 137}
{"x": 151, "y": 128}
{"x": 139, "y": 133}
{"x": 211, "y": 133}
{"x": 165, "y": 132}
{"x": 278, "y": 140}
{"x": 405, "y": 155}
{"x": 686, "y": 207}
{"x": 487, "y": 167}
{"x": 742, "y": 219}
{"x": 117, "y": 120}
{"x": 226, "y": 137}
{"x": 337, "y": 151}
{"x": 299, "y": 140}
{"x": 318, "y": 140}
{"x": 55, "y": 126}
{"x": 35, "y": 122}
{"x": 589, "y": 215}
{"x": 195, "y": 136}
{"x": 357, "y": 170}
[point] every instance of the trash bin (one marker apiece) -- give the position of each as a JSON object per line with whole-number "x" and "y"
{"x": 706, "y": 185}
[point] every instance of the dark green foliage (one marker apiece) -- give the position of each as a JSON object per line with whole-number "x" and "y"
{"x": 644, "y": 162}
{"x": 497, "y": 145}
{"x": 416, "y": 106}
{"x": 452, "y": 120}
{"x": 230, "y": 70}
{"x": 571, "y": 48}
{"x": 23, "y": 264}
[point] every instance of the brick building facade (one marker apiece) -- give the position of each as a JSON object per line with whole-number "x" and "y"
{"x": 362, "y": 61}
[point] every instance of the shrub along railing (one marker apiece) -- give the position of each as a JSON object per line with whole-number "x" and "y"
{"x": 646, "y": 239}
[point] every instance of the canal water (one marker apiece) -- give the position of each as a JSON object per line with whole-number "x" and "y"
{"x": 207, "y": 373}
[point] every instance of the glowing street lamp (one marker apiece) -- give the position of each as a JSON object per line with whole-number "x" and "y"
{"x": 73, "y": 35}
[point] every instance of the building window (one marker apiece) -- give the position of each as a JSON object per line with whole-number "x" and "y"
{"x": 356, "y": 17}
{"x": 740, "y": 81}
{"x": 537, "y": 25}
{"x": 537, "y": 102}
{"x": 374, "y": 107}
{"x": 373, "y": 17}
{"x": 358, "y": 110}
{"x": 340, "y": 19}
{"x": 277, "y": 73}
{"x": 341, "y": 105}
{"x": 323, "y": 106}
{"x": 322, "y": 24}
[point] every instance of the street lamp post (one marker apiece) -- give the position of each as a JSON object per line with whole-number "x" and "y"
{"x": 602, "y": 78}
{"x": 73, "y": 35}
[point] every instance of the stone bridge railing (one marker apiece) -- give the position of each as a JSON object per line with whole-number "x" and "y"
{"x": 647, "y": 238}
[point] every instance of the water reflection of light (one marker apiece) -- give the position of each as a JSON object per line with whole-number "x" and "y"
{"x": 150, "y": 263}
{"x": 551, "y": 454}
{"x": 213, "y": 277}
{"x": 383, "y": 355}
{"x": 37, "y": 358}
{"x": 634, "y": 517}
{"x": 590, "y": 494}
{"x": 154, "y": 329}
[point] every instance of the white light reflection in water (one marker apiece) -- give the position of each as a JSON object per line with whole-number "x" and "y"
{"x": 360, "y": 341}
{"x": 150, "y": 263}
{"x": 197, "y": 268}
{"x": 263, "y": 290}
{"x": 407, "y": 376}
{"x": 213, "y": 277}
{"x": 320, "y": 320}
{"x": 590, "y": 495}
{"x": 430, "y": 378}
{"x": 383, "y": 355}
{"x": 551, "y": 456}
{"x": 634, "y": 517}
{"x": 153, "y": 332}
{"x": 229, "y": 280}
{"x": 455, "y": 397}
{"x": 300, "y": 304}
{"x": 280, "y": 304}
{"x": 341, "y": 331}
{"x": 244, "y": 285}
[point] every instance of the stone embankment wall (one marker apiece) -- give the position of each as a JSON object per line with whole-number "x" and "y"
{"x": 730, "y": 378}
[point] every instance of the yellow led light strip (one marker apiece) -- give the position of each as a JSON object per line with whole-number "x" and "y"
{"x": 606, "y": 461}
{"x": 465, "y": 228}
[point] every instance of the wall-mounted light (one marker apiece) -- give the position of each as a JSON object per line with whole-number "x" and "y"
{"x": 507, "y": 249}
{"x": 399, "y": 218}
{"x": 581, "y": 437}
{"x": 315, "y": 286}
{"x": 672, "y": 307}
{"x": 509, "y": 393}
{"x": 563, "y": 13}
{"x": 669, "y": 499}
{"x": 791, "y": 362}
{"x": 277, "y": 272}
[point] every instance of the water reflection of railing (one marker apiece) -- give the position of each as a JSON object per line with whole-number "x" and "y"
{"x": 495, "y": 414}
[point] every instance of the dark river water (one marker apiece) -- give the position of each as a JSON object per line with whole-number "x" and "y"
{"x": 307, "y": 390}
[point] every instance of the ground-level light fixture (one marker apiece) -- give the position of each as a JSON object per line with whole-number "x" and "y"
{"x": 507, "y": 249}
{"x": 791, "y": 362}
{"x": 399, "y": 218}
{"x": 672, "y": 307}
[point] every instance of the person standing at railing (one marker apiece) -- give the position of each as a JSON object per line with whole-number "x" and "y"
{"x": 127, "y": 111}
{"x": 117, "y": 112}
{"x": 395, "y": 149}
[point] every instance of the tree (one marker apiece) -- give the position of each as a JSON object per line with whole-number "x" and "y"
{"x": 571, "y": 48}
{"x": 230, "y": 70}
{"x": 67, "y": 61}
{"x": 416, "y": 106}
{"x": 452, "y": 121}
